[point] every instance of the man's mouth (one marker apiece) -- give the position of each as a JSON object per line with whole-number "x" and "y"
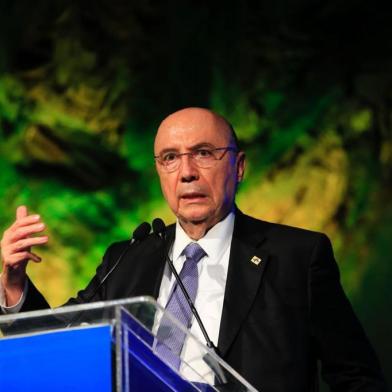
{"x": 192, "y": 196}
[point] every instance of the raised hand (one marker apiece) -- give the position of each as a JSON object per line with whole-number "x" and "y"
{"x": 16, "y": 252}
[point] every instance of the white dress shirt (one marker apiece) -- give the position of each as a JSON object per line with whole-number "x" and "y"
{"x": 212, "y": 270}
{"x": 15, "y": 308}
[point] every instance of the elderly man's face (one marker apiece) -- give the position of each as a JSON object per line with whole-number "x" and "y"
{"x": 194, "y": 194}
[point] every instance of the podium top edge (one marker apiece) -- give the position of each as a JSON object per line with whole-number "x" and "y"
{"x": 9, "y": 317}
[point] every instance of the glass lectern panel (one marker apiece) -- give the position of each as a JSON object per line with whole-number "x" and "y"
{"x": 105, "y": 346}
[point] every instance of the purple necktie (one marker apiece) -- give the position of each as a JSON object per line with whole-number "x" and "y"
{"x": 170, "y": 337}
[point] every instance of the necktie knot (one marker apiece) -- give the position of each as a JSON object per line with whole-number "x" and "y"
{"x": 194, "y": 252}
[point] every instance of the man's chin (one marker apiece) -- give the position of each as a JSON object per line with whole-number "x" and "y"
{"x": 195, "y": 215}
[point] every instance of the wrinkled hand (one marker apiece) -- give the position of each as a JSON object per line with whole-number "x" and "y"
{"x": 16, "y": 252}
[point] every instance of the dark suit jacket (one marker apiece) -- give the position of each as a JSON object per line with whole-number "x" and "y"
{"x": 279, "y": 317}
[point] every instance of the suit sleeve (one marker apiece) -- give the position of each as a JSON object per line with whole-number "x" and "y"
{"x": 94, "y": 291}
{"x": 36, "y": 301}
{"x": 347, "y": 358}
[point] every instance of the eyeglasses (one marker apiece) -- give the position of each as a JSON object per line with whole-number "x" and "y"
{"x": 202, "y": 157}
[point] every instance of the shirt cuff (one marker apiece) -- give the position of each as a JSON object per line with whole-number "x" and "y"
{"x": 15, "y": 308}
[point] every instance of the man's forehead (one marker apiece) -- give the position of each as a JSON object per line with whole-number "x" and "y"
{"x": 191, "y": 128}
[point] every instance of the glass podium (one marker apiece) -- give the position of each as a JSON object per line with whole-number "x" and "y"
{"x": 103, "y": 346}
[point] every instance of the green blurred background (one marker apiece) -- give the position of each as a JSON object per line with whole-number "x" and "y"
{"x": 307, "y": 85}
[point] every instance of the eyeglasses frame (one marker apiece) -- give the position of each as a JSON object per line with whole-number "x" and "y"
{"x": 191, "y": 153}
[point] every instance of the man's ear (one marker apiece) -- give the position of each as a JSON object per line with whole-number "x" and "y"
{"x": 240, "y": 166}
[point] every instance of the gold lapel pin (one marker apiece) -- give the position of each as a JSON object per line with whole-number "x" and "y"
{"x": 255, "y": 260}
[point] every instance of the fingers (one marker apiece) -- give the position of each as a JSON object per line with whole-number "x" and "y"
{"x": 21, "y": 212}
{"x": 24, "y": 225}
{"x": 26, "y": 243}
{"x": 19, "y": 238}
{"x": 15, "y": 251}
{"x": 16, "y": 233}
{"x": 17, "y": 258}
{"x": 26, "y": 221}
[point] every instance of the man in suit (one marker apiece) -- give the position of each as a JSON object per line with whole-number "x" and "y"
{"x": 268, "y": 294}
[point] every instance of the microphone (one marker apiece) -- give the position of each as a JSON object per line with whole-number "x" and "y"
{"x": 141, "y": 232}
{"x": 159, "y": 228}
{"x": 138, "y": 235}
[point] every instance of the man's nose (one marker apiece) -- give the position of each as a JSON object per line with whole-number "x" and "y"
{"x": 188, "y": 169}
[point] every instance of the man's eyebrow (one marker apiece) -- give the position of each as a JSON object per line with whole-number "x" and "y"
{"x": 202, "y": 145}
{"x": 192, "y": 148}
{"x": 165, "y": 150}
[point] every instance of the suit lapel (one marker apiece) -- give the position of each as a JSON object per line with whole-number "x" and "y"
{"x": 246, "y": 266}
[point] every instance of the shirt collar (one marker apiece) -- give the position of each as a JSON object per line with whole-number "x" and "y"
{"x": 214, "y": 243}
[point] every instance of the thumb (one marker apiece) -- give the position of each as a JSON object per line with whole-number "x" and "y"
{"x": 21, "y": 212}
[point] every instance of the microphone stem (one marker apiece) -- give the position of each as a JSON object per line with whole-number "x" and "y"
{"x": 210, "y": 344}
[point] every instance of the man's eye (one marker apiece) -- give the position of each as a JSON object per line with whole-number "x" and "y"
{"x": 169, "y": 157}
{"x": 203, "y": 153}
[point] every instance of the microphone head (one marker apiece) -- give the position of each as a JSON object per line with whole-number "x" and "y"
{"x": 142, "y": 231}
{"x": 158, "y": 227}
